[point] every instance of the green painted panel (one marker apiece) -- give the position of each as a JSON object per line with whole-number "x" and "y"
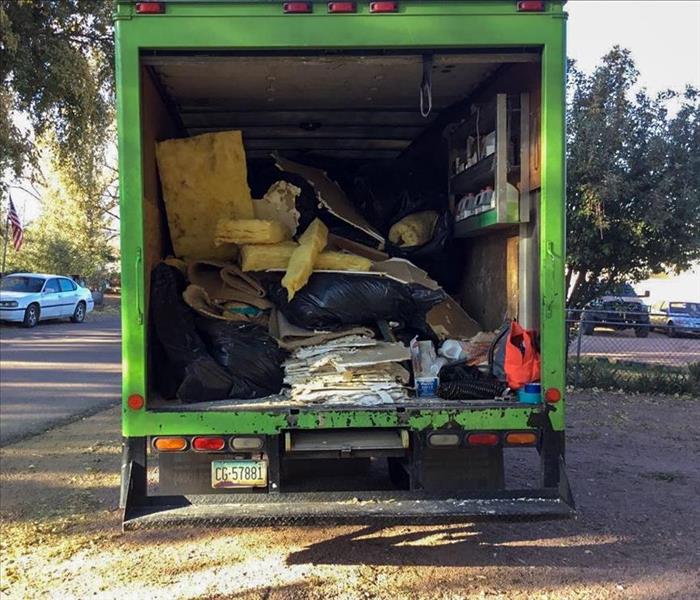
{"x": 261, "y": 26}
{"x": 142, "y": 423}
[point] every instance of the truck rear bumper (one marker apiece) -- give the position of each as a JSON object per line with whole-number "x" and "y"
{"x": 395, "y": 507}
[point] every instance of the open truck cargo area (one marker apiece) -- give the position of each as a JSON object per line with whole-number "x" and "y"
{"x": 409, "y": 167}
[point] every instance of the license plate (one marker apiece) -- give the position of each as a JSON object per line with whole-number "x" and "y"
{"x": 238, "y": 473}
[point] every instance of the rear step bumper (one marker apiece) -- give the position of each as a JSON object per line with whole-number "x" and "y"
{"x": 346, "y": 508}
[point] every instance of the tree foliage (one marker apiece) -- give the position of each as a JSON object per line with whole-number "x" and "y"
{"x": 56, "y": 122}
{"x": 633, "y": 179}
{"x": 56, "y": 69}
{"x": 72, "y": 235}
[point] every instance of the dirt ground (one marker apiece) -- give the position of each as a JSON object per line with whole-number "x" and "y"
{"x": 634, "y": 465}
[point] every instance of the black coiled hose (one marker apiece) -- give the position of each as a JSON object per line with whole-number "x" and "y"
{"x": 470, "y": 390}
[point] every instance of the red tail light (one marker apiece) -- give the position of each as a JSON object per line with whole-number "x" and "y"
{"x": 383, "y": 7}
{"x": 150, "y": 8}
{"x": 483, "y": 439}
{"x": 552, "y": 395}
{"x": 342, "y": 7}
{"x": 208, "y": 444}
{"x": 135, "y": 402}
{"x": 297, "y": 7}
{"x": 531, "y": 5}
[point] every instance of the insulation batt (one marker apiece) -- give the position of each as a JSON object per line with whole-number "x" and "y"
{"x": 250, "y": 231}
{"x": 262, "y": 257}
{"x": 414, "y": 230}
{"x": 301, "y": 264}
{"x": 342, "y": 261}
{"x": 204, "y": 179}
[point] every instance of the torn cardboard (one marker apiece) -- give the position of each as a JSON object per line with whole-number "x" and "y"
{"x": 224, "y": 282}
{"x": 292, "y": 337}
{"x": 331, "y": 196}
{"x": 449, "y": 320}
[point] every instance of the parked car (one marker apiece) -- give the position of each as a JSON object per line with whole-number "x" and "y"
{"x": 676, "y": 318}
{"x": 28, "y": 298}
{"x": 616, "y": 312}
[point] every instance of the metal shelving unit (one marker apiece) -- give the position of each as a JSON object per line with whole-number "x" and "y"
{"x": 506, "y": 115}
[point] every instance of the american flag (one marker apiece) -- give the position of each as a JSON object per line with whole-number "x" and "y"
{"x": 17, "y": 229}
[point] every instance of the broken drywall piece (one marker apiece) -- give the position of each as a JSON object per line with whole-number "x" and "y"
{"x": 347, "y": 371}
{"x": 450, "y": 321}
{"x": 279, "y": 204}
{"x": 340, "y": 243}
{"x": 331, "y": 196}
{"x": 382, "y": 352}
{"x": 405, "y": 271}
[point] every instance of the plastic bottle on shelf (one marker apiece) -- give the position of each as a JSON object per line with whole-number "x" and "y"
{"x": 488, "y": 200}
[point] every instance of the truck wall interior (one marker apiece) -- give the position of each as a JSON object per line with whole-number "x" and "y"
{"x": 342, "y": 111}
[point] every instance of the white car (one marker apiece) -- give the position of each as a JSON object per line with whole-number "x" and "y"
{"x": 28, "y": 298}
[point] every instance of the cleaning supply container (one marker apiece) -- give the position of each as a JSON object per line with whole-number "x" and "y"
{"x": 531, "y": 393}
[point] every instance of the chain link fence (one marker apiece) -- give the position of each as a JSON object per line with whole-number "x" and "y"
{"x": 634, "y": 352}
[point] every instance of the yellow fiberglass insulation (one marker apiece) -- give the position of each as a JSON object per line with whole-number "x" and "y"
{"x": 414, "y": 230}
{"x": 204, "y": 180}
{"x": 342, "y": 261}
{"x": 250, "y": 231}
{"x": 263, "y": 257}
{"x": 301, "y": 264}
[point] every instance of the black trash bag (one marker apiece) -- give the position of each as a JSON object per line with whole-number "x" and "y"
{"x": 250, "y": 356}
{"x": 184, "y": 363}
{"x": 497, "y": 353}
{"x": 204, "y": 381}
{"x": 387, "y": 191}
{"x": 442, "y": 235}
{"x": 332, "y": 300}
{"x": 439, "y": 257}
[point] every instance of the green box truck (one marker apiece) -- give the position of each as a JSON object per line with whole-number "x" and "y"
{"x": 355, "y": 82}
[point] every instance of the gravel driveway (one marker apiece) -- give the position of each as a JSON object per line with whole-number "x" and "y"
{"x": 634, "y": 463}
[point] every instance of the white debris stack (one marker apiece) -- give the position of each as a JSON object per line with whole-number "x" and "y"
{"x": 353, "y": 370}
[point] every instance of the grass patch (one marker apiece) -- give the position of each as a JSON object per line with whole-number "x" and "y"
{"x": 604, "y": 374}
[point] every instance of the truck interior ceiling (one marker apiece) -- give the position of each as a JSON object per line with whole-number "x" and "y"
{"x": 382, "y": 125}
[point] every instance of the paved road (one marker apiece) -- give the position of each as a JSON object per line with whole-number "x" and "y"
{"x": 56, "y": 371}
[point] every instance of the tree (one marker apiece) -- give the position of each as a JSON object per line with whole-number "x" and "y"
{"x": 66, "y": 238}
{"x": 56, "y": 71}
{"x": 56, "y": 100}
{"x": 633, "y": 180}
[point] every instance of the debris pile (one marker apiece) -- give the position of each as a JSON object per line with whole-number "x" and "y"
{"x": 352, "y": 370}
{"x": 302, "y": 270}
